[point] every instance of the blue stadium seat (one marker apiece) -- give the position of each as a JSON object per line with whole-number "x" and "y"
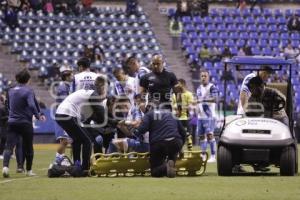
{"x": 274, "y": 43}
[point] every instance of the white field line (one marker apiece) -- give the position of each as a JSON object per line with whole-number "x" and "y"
{"x": 19, "y": 179}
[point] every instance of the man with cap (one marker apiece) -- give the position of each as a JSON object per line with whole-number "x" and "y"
{"x": 85, "y": 79}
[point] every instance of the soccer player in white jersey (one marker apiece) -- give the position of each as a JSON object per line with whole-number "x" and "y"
{"x": 245, "y": 93}
{"x": 206, "y": 98}
{"x": 135, "y": 70}
{"x": 85, "y": 79}
{"x": 125, "y": 85}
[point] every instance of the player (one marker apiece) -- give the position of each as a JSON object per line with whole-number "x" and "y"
{"x": 206, "y": 98}
{"x": 85, "y": 79}
{"x": 245, "y": 93}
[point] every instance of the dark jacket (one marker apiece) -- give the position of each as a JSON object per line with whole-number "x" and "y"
{"x": 22, "y": 105}
{"x": 161, "y": 126}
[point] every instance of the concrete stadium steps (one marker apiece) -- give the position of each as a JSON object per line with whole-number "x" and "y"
{"x": 9, "y": 66}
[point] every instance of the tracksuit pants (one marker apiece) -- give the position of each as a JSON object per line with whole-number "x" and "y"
{"x": 14, "y": 132}
{"x": 80, "y": 137}
{"x": 162, "y": 151}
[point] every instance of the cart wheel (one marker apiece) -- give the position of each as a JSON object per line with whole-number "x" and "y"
{"x": 224, "y": 163}
{"x": 287, "y": 162}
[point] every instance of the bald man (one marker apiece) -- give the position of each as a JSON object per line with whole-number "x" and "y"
{"x": 158, "y": 83}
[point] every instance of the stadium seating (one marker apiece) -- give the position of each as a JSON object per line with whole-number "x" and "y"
{"x": 265, "y": 32}
{"x": 44, "y": 39}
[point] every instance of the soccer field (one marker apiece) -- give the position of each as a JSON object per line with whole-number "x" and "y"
{"x": 208, "y": 186}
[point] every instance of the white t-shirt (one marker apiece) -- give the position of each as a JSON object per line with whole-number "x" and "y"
{"x": 130, "y": 88}
{"x": 244, "y": 88}
{"x": 77, "y": 105}
{"x": 84, "y": 80}
{"x": 142, "y": 71}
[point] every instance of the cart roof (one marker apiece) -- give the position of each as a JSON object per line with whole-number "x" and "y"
{"x": 259, "y": 60}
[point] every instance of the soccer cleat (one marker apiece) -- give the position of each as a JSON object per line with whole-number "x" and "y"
{"x": 5, "y": 172}
{"x": 30, "y": 173}
{"x": 20, "y": 170}
{"x": 212, "y": 159}
{"x": 171, "y": 171}
{"x": 58, "y": 158}
{"x": 203, "y": 156}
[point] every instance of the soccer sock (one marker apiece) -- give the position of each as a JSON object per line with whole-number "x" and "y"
{"x": 212, "y": 144}
{"x": 59, "y": 155}
{"x": 203, "y": 145}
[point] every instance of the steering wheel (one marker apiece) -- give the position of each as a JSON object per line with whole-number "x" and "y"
{"x": 273, "y": 102}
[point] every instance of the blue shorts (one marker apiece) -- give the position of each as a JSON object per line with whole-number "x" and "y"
{"x": 137, "y": 146}
{"x": 60, "y": 133}
{"x": 205, "y": 126}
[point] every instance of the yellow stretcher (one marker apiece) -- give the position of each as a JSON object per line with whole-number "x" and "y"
{"x": 137, "y": 164}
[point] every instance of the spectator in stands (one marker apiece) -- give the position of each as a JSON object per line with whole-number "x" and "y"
{"x": 256, "y": 2}
{"x": 62, "y": 91}
{"x": 60, "y": 6}
{"x": 294, "y": 23}
{"x": 242, "y": 4}
{"x": 98, "y": 53}
{"x": 290, "y": 52}
{"x": 85, "y": 79}
{"x": 248, "y": 51}
{"x": 175, "y": 30}
{"x": 48, "y": 6}
{"x": 11, "y": 16}
{"x": 22, "y": 107}
{"x": 241, "y": 52}
{"x": 132, "y": 7}
{"x": 36, "y": 4}
{"x": 94, "y": 52}
{"x": 87, "y": 6}
{"x": 73, "y": 6}
{"x": 159, "y": 83}
{"x": 226, "y": 54}
{"x": 166, "y": 138}
{"x": 125, "y": 85}
{"x": 204, "y": 8}
{"x": 204, "y": 53}
{"x": 215, "y": 54}
{"x": 134, "y": 69}
{"x": 182, "y": 9}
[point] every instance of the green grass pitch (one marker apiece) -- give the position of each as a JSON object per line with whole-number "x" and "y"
{"x": 206, "y": 187}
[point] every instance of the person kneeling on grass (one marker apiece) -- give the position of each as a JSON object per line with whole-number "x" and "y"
{"x": 166, "y": 138}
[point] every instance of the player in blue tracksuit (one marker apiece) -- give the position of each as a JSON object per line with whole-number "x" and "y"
{"x": 22, "y": 106}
